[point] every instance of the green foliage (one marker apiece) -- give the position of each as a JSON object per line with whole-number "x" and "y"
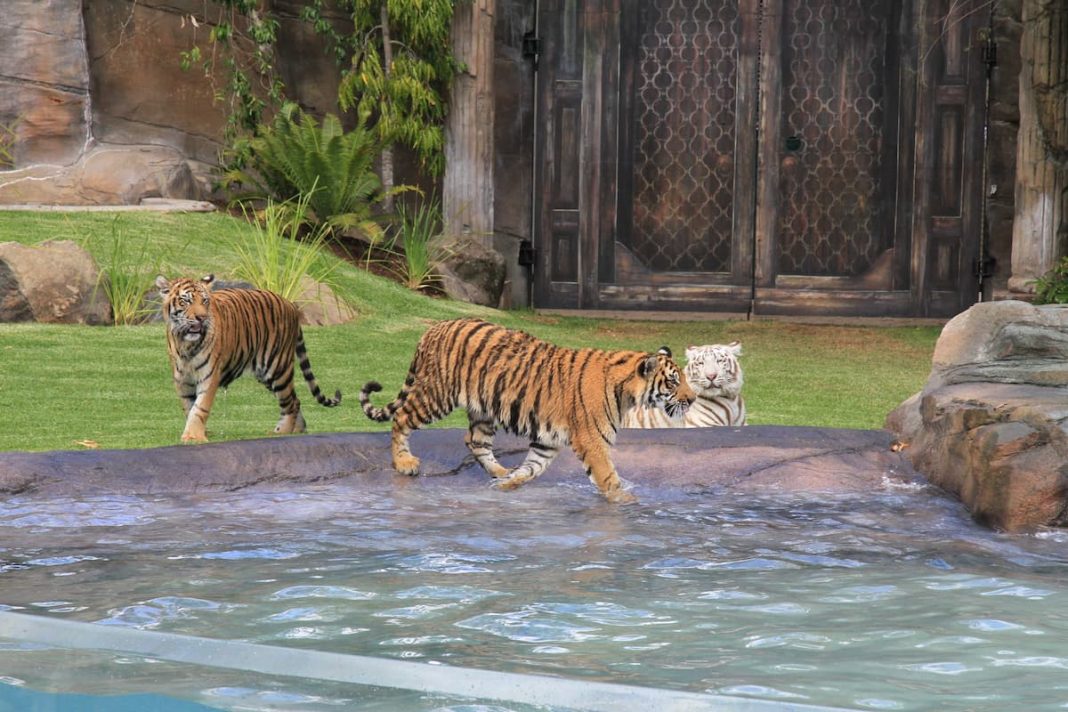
{"x": 241, "y": 42}
{"x": 7, "y": 145}
{"x": 418, "y": 241}
{"x": 1052, "y": 287}
{"x": 399, "y": 66}
{"x": 273, "y": 256}
{"x": 401, "y": 100}
{"x": 330, "y": 168}
{"x": 127, "y": 271}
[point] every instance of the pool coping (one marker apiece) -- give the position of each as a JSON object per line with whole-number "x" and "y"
{"x": 754, "y": 458}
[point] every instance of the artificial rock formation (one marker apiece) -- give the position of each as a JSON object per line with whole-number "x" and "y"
{"x": 55, "y": 282}
{"x": 991, "y": 424}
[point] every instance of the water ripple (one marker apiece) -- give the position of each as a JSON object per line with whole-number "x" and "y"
{"x": 527, "y": 627}
{"x": 340, "y": 592}
{"x": 452, "y": 563}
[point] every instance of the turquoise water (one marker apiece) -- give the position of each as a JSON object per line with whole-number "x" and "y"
{"x": 890, "y": 601}
{"x": 16, "y": 699}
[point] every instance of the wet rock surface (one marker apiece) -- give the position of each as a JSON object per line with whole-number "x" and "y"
{"x": 752, "y": 459}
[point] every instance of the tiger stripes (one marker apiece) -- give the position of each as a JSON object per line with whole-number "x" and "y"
{"x": 215, "y": 336}
{"x": 556, "y": 396}
{"x": 716, "y": 376}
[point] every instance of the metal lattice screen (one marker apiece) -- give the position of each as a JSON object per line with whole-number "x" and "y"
{"x": 832, "y": 109}
{"x": 685, "y": 131}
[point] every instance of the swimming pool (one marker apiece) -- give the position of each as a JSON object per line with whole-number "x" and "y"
{"x": 890, "y": 600}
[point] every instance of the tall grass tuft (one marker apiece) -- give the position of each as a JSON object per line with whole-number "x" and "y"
{"x": 127, "y": 272}
{"x": 273, "y": 255}
{"x": 8, "y": 137}
{"x": 421, "y": 248}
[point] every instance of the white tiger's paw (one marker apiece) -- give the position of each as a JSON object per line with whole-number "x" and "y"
{"x": 510, "y": 483}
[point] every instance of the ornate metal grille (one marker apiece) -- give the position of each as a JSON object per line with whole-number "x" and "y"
{"x": 684, "y": 135}
{"x": 832, "y": 100}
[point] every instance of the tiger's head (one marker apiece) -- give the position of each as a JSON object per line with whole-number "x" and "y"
{"x": 714, "y": 369}
{"x": 666, "y": 385}
{"x": 187, "y": 307}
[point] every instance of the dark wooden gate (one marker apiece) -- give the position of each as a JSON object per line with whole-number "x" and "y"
{"x": 780, "y": 156}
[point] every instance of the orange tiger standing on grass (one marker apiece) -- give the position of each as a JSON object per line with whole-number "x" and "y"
{"x": 554, "y": 395}
{"x": 215, "y": 336}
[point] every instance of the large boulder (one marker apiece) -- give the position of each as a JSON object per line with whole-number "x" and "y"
{"x": 991, "y": 424}
{"x": 55, "y": 282}
{"x": 105, "y": 175}
{"x": 320, "y": 305}
{"x": 473, "y": 273}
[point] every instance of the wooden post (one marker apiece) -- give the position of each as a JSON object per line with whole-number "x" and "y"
{"x": 468, "y": 183}
{"x": 1040, "y": 226}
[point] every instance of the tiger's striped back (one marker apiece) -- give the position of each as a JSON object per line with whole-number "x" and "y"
{"x": 716, "y": 376}
{"x": 215, "y": 336}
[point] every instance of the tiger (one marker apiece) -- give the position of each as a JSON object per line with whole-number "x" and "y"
{"x": 716, "y": 375}
{"x": 215, "y": 336}
{"x": 554, "y": 395}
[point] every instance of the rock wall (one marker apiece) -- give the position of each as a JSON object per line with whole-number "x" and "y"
{"x": 86, "y": 83}
{"x": 991, "y": 424}
{"x": 44, "y": 80}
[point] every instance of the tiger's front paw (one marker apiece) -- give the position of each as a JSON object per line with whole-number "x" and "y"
{"x": 510, "y": 482}
{"x": 620, "y": 496}
{"x": 406, "y": 465}
{"x": 189, "y": 437}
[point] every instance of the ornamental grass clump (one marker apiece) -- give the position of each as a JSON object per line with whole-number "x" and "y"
{"x": 282, "y": 248}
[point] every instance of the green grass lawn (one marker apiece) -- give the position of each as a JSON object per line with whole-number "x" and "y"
{"x": 61, "y": 385}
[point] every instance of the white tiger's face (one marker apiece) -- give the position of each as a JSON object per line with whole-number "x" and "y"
{"x": 713, "y": 370}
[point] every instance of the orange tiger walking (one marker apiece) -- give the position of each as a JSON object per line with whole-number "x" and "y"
{"x": 215, "y": 336}
{"x": 554, "y": 395}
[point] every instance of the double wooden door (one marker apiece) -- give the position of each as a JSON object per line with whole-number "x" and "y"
{"x": 778, "y": 156}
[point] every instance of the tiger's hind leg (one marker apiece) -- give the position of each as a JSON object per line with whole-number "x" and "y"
{"x": 538, "y": 459}
{"x": 281, "y": 384}
{"x": 479, "y": 439}
{"x": 411, "y": 416}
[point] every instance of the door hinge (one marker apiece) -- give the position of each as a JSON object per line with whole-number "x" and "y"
{"x": 532, "y": 47}
{"x": 527, "y": 254}
{"x": 989, "y": 52}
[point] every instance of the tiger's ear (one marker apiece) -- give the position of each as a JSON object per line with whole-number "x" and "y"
{"x": 735, "y": 347}
{"x": 162, "y": 285}
{"x": 648, "y": 366}
{"x": 664, "y": 351}
{"x": 207, "y": 279}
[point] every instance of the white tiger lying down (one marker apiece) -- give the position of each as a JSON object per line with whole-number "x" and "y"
{"x": 715, "y": 375}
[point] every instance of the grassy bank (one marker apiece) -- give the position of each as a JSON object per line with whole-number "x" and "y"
{"x": 110, "y": 386}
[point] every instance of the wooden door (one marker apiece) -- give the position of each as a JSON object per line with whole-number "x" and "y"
{"x": 774, "y": 157}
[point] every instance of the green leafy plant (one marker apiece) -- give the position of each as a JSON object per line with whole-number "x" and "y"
{"x": 7, "y": 145}
{"x": 418, "y": 244}
{"x": 330, "y": 169}
{"x": 127, "y": 271}
{"x": 1052, "y": 287}
{"x": 273, "y": 255}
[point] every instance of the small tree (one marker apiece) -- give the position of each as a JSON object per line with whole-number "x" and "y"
{"x": 396, "y": 69}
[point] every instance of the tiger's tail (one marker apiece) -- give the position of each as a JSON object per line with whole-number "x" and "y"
{"x": 381, "y": 415}
{"x": 305, "y": 368}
